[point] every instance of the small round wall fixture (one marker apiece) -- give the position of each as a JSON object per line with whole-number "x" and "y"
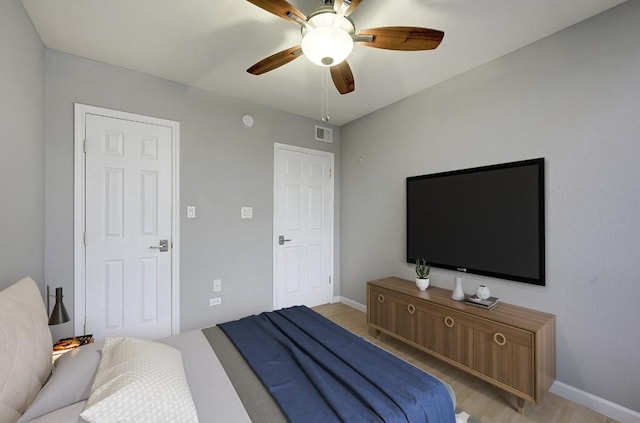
{"x": 247, "y": 121}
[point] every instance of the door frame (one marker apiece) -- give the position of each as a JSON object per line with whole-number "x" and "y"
{"x": 79, "y": 217}
{"x": 279, "y": 146}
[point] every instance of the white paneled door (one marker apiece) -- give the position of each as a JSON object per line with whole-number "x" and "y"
{"x": 128, "y": 228}
{"x": 303, "y": 227}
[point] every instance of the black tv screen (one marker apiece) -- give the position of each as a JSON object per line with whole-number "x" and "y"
{"x": 487, "y": 220}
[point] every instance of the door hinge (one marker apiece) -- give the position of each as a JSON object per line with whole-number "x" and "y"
{"x": 330, "y": 173}
{"x": 84, "y": 327}
{"x": 329, "y": 280}
{"x": 84, "y": 238}
{"x": 84, "y": 146}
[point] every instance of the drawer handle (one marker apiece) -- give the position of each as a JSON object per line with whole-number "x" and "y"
{"x": 381, "y": 298}
{"x": 411, "y": 308}
{"x": 499, "y": 339}
{"x": 449, "y": 322}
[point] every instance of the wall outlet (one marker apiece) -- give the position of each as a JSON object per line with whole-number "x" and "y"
{"x": 215, "y": 301}
{"x": 191, "y": 212}
{"x": 217, "y": 285}
{"x": 246, "y": 212}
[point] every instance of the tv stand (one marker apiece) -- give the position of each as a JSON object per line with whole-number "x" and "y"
{"x": 510, "y": 347}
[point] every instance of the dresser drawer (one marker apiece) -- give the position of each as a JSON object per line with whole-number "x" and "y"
{"x": 503, "y": 333}
{"x": 397, "y": 313}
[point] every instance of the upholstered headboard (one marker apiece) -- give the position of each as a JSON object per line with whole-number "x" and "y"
{"x": 25, "y": 348}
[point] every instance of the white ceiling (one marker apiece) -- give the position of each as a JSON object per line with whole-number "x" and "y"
{"x": 209, "y": 44}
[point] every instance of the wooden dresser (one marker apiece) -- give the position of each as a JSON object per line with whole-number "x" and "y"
{"x": 510, "y": 347}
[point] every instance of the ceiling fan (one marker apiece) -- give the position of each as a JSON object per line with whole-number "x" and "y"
{"x": 328, "y": 35}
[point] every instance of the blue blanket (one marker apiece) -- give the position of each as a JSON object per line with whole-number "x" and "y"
{"x": 319, "y": 372}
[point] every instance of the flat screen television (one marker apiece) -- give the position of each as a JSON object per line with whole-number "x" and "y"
{"x": 487, "y": 220}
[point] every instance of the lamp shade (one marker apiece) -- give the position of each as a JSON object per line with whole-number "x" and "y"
{"x": 327, "y": 46}
{"x": 59, "y": 313}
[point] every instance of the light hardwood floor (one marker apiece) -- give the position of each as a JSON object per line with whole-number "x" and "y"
{"x": 474, "y": 396}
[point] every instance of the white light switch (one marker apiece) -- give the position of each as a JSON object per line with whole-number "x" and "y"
{"x": 191, "y": 212}
{"x": 217, "y": 285}
{"x": 246, "y": 212}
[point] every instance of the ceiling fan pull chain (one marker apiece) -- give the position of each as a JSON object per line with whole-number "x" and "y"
{"x": 322, "y": 95}
{"x": 325, "y": 95}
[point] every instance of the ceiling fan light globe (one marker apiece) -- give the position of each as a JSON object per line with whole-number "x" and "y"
{"x": 327, "y": 46}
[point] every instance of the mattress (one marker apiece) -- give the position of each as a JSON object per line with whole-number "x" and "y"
{"x": 215, "y": 397}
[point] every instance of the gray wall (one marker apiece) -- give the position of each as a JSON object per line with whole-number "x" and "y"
{"x": 22, "y": 157}
{"x": 223, "y": 166}
{"x": 572, "y": 98}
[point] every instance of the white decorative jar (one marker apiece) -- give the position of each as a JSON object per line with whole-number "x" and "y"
{"x": 458, "y": 293}
{"x": 483, "y": 292}
{"x": 422, "y": 284}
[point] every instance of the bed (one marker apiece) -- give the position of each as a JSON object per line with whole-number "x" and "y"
{"x": 238, "y": 371}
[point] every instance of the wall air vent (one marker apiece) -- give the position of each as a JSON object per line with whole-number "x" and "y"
{"x": 324, "y": 134}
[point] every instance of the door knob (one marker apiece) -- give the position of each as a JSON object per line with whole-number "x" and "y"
{"x": 281, "y": 240}
{"x": 163, "y": 247}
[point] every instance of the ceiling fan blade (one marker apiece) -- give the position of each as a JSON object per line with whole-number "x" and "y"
{"x": 354, "y": 4}
{"x": 275, "y": 61}
{"x": 408, "y": 38}
{"x": 280, "y": 8}
{"x": 343, "y": 78}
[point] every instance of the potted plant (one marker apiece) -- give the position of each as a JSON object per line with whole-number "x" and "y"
{"x": 422, "y": 274}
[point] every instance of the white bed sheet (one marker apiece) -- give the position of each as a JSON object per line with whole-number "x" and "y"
{"x": 215, "y": 397}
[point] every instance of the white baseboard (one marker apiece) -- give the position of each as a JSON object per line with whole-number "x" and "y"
{"x": 597, "y": 404}
{"x": 351, "y": 303}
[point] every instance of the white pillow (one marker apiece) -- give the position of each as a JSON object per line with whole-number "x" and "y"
{"x": 139, "y": 381}
{"x": 25, "y": 350}
{"x": 69, "y": 383}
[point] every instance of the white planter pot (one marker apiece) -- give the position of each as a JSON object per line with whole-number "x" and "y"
{"x": 422, "y": 284}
